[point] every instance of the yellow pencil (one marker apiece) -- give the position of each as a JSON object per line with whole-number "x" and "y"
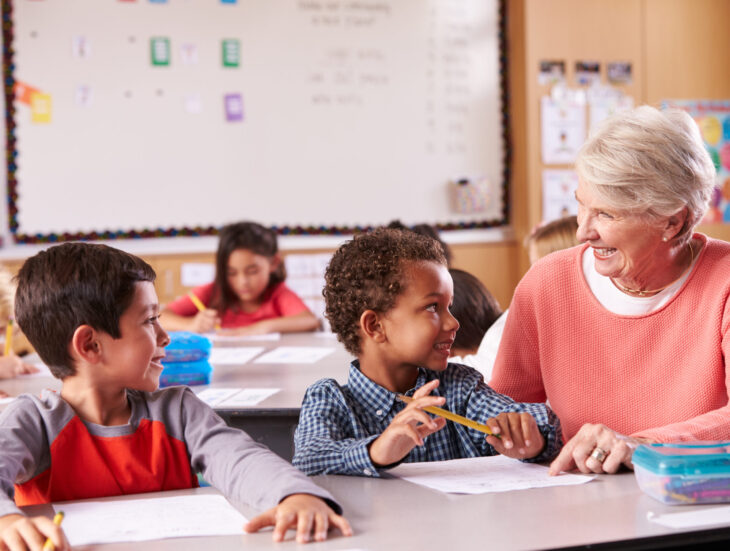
{"x": 198, "y": 304}
{"x": 451, "y": 416}
{"x": 9, "y": 336}
{"x": 48, "y": 546}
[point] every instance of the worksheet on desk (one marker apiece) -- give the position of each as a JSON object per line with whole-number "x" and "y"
{"x": 223, "y": 337}
{"x": 233, "y": 398}
{"x": 480, "y": 475}
{"x": 234, "y": 355}
{"x": 149, "y": 519}
{"x": 294, "y": 355}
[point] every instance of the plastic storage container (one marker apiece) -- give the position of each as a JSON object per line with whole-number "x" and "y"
{"x": 186, "y": 360}
{"x": 684, "y": 473}
{"x": 186, "y": 347}
{"x": 186, "y": 373}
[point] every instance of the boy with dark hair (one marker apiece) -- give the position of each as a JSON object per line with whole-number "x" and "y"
{"x": 387, "y": 297}
{"x": 92, "y": 314}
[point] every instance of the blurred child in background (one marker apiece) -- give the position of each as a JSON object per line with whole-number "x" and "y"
{"x": 543, "y": 240}
{"x": 10, "y": 364}
{"x": 248, "y": 296}
{"x": 476, "y": 310}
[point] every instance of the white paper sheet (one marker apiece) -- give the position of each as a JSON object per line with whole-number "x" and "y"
{"x": 692, "y": 519}
{"x": 222, "y": 337}
{"x": 43, "y": 371}
{"x": 246, "y": 397}
{"x": 234, "y": 355}
{"x": 480, "y": 475}
{"x": 294, "y": 355}
{"x": 231, "y": 398}
{"x": 149, "y": 519}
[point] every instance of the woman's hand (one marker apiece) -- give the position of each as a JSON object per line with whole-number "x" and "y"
{"x": 596, "y": 449}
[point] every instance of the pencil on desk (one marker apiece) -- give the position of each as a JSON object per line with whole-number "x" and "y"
{"x": 48, "y": 546}
{"x": 446, "y": 414}
{"x": 9, "y": 336}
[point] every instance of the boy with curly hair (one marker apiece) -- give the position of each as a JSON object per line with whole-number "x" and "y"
{"x": 387, "y": 296}
{"x": 92, "y": 314}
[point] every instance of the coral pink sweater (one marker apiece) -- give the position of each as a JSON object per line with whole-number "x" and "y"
{"x": 662, "y": 375}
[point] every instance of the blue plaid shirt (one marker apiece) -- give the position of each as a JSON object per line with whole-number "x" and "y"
{"x": 337, "y": 424}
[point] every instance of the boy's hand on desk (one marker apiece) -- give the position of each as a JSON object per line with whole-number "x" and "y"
{"x": 520, "y": 437}
{"x": 205, "y": 321}
{"x": 18, "y": 532}
{"x": 408, "y": 428}
{"x": 307, "y": 513}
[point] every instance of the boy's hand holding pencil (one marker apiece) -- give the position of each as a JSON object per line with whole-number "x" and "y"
{"x": 408, "y": 428}
{"x": 516, "y": 435}
{"x": 21, "y": 532}
{"x": 512, "y": 434}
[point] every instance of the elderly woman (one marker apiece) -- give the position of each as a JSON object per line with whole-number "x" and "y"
{"x": 628, "y": 335}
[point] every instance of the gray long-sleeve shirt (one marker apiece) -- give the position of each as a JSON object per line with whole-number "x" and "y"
{"x": 47, "y": 453}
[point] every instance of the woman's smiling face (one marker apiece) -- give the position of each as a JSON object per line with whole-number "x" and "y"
{"x": 624, "y": 245}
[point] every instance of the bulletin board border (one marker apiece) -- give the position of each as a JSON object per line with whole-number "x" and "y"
{"x": 11, "y": 154}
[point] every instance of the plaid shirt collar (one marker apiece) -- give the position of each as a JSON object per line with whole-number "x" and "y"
{"x": 373, "y": 398}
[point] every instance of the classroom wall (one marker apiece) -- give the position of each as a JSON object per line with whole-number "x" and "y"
{"x": 677, "y": 49}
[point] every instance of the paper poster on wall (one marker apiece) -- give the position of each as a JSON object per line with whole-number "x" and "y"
{"x": 563, "y": 129}
{"x": 189, "y": 53}
{"x": 160, "y": 51}
{"x": 604, "y": 101}
{"x": 619, "y": 72}
{"x": 551, "y": 72}
{"x": 40, "y": 108}
{"x": 81, "y": 47}
{"x": 234, "y": 107}
{"x": 713, "y": 119}
{"x": 230, "y": 52}
{"x": 84, "y": 95}
{"x": 23, "y": 92}
{"x": 587, "y": 72}
{"x": 558, "y": 194}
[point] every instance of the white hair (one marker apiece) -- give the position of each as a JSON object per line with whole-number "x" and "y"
{"x": 650, "y": 162}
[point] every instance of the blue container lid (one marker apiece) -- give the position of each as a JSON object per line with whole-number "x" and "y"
{"x": 183, "y": 341}
{"x": 684, "y": 459}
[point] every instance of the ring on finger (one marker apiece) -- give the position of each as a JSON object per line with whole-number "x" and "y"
{"x": 599, "y": 454}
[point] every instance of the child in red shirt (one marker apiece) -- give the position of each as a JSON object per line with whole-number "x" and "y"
{"x": 248, "y": 296}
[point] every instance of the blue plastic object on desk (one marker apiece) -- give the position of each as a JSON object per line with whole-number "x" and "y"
{"x": 186, "y": 360}
{"x": 186, "y": 373}
{"x": 186, "y": 347}
{"x": 684, "y": 473}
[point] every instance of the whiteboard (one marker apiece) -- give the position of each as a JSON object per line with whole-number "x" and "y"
{"x": 354, "y": 112}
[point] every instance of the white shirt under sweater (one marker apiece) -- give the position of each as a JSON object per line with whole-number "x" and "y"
{"x": 617, "y": 301}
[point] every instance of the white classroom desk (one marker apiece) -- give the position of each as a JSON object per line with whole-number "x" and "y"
{"x": 607, "y": 513}
{"x": 272, "y": 421}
